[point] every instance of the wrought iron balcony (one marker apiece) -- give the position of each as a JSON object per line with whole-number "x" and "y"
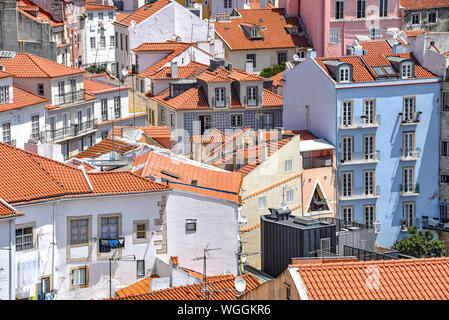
{"x": 359, "y": 193}
{"x": 359, "y": 158}
{"x": 360, "y": 122}
{"x": 316, "y": 162}
{"x": 69, "y": 97}
{"x": 410, "y": 119}
{"x": 410, "y": 154}
{"x": 434, "y": 224}
{"x": 70, "y": 131}
{"x": 409, "y": 189}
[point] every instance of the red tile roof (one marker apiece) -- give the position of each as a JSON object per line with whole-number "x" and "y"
{"x": 93, "y": 86}
{"x": 211, "y": 182}
{"x": 143, "y": 12}
{"x": 27, "y": 65}
{"x": 7, "y": 211}
{"x": 376, "y": 47}
{"x": 424, "y": 4}
{"x": 30, "y": 9}
{"x": 136, "y": 115}
{"x": 140, "y": 287}
{"x": 414, "y": 33}
{"x": 27, "y": 177}
{"x": 212, "y": 136}
{"x": 408, "y": 279}
{"x": 106, "y": 146}
{"x": 92, "y": 6}
{"x": 4, "y": 74}
{"x": 220, "y": 289}
{"x": 21, "y": 99}
{"x": 274, "y": 36}
{"x": 278, "y": 79}
{"x": 184, "y": 72}
{"x": 160, "y": 134}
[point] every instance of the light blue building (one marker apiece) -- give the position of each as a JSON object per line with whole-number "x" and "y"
{"x": 382, "y": 114}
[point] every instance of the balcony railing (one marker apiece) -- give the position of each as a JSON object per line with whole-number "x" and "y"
{"x": 410, "y": 155}
{"x": 69, "y": 97}
{"x": 360, "y": 122}
{"x": 343, "y": 224}
{"x": 316, "y": 162}
{"x": 413, "y": 118}
{"x": 434, "y": 224}
{"x": 70, "y": 131}
{"x": 359, "y": 193}
{"x": 359, "y": 158}
{"x": 409, "y": 189}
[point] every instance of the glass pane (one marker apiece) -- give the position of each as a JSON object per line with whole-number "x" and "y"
{"x": 19, "y": 232}
{"x": 141, "y": 235}
{"x": 28, "y": 230}
{"x": 83, "y": 222}
{"x": 141, "y": 227}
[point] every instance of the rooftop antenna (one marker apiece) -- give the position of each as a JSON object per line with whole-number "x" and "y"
{"x": 130, "y": 257}
{"x": 204, "y": 258}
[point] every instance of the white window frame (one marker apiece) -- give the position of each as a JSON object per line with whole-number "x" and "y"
{"x": 369, "y": 214}
{"x": 344, "y": 74}
{"x": 334, "y": 36}
{"x": 347, "y": 211}
{"x": 75, "y": 276}
{"x": 347, "y": 185}
{"x": 436, "y": 16}
{"x": 24, "y": 226}
{"x": 369, "y": 182}
{"x": 88, "y": 226}
{"x": 288, "y": 165}
{"x": 220, "y": 93}
{"x": 234, "y": 123}
{"x": 136, "y": 231}
{"x": 406, "y": 70}
{"x": 414, "y": 14}
{"x": 262, "y": 202}
{"x": 289, "y": 195}
{"x": 252, "y": 93}
{"x": 409, "y": 215}
{"x": 140, "y": 268}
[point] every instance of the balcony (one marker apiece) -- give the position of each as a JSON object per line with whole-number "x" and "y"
{"x": 359, "y": 193}
{"x": 409, "y": 190}
{"x": 359, "y": 158}
{"x": 69, "y": 97}
{"x": 410, "y": 155}
{"x": 360, "y": 122}
{"x": 434, "y": 224}
{"x": 71, "y": 131}
{"x": 410, "y": 119}
{"x": 316, "y": 162}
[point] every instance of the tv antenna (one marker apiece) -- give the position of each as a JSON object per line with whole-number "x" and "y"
{"x": 204, "y": 289}
{"x": 130, "y": 257}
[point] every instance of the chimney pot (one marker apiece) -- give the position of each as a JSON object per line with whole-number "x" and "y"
{"x": 174, "y": 69}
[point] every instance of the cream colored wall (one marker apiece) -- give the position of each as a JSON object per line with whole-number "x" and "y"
{"x": 264, "y": 57}
{"x": 265, "y": 175}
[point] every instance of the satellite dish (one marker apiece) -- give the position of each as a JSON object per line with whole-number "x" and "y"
{"x": 133, "y": 23}
{"x": 240, "y": 284}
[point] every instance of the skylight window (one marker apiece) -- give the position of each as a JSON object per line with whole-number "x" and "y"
{"x": 379, "y": 72}
{"x": 389, "y": 70}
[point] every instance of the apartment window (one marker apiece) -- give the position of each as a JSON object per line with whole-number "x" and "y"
{"x": 90, "y": 16}
{"x": 346, "y": 113}
{"x": 369, "y": 214}
{"x": 6, "y": 132}
{"x": 79, "y": 277}
{"x": 190, "y": 225}
{"x": 369, "y": 147}
{"x": 40, "y": 89}
{"x": 104, "y": 134}
{"x": 252, "y": 96}
{"x": 406, "y": 70}
{"x": 24, "y": 238}
{"x": 347, "y": 146}
{"x": 369, "y": 182}
{"x": 408, "y": 144}
{"x": 109, "y": 227}
{"x": 339, "y": 9}
{"x": 111, "y": 15}
{"x": 35, "y": 127}
{"x": 369, "y": 111}
{"x": 89, "y": 114}
{"x": 126, "y": 43}
{"x": 288, "y": 165}
{"x": 117, "y": 108}
{"x": 44, "y": 286}
{"x": 92, "y": 42}
{"x": 79, "y": 231}
{"x": 116, "y": 42}
{"x": 282, "y": 57}
{"x": 262, "y": 203}
{"x": 444, "y": 213}
{"x": 227, "y": 4}
{"x": 444, "y": 178}
{"x": 112, "y": 41}
{"x": 104, "y": 109}
{"x": 152, "y": 117}
{"x": 445, "y": 101}
{"x": 61, "y": 88}
{"x": 89, "y": 141}
{"x": 344, "y": 74}
{"x": 347, "y": 214}
{"x": 383, "y": 8}
{"x": 289, "y": 195}
{"x": 416, "y": 18}
{"x": 361, "y": 9}
{"x": 100, "y": 15}
{"x": 172, "y": 119}
{"x": 102, "y": 42}
{"x": 219, "y": 97}
{"x": 409, "y": 215}
{"x": 445, "y": 148}
{"x": 252, "y": 57}
{"x": 432, "y": 16}
{"x": 334, "y": 37}
{"x": 409, "y": 109}
{"x": 346, "y": 183}
{"x": 375, "y": 33}
{"x": 65, "y": 150}
{"x": 236, "y": 120}
{"x": 80, "y": 144}
{"x": 140, "y": 268}
{"x": 121, "y": 41}
{"x": 408, "y": 179}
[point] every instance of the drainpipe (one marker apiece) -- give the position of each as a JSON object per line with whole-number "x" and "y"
{"x": 11, "y": 284}
{"x": 53, "y": 252}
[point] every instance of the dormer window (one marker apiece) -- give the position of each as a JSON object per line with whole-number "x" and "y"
{"x": 407, "y": 70}
{"x": 254, "y": 33}
{"x": 344, "y": 74}
{"x": 4, "y": 94}
{"x": 220, "y": 97}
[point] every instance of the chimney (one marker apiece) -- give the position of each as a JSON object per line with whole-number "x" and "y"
{"x": 249, "y": 66}
{"x": 311, "y": 53}
{"x": 174, "y": 262}
{"x": 212, "y": 49}
{"x": 174, "y": 69}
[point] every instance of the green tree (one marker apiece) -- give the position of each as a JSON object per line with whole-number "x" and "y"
{"x": 96, "y": 68}
{"x": 420, "y": 244}
{"x": 271, "y": 71}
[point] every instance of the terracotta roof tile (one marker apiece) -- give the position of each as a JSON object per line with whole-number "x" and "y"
{"x": 376, "y": 47}
{"x": 414, "y": 33}
{"x": 274, "y": 36}
{"x": 95, "y": 86}
{"x": 7, "y": 211}
{"x": 4, "y": 74}
{"x": 140, "y": 287}
{"x": 278, "y": 79}
{"x": 21, "y": 99}
{"x": 424, "y": 4}
{"x": 106, "y": 146}
{"x": 29, "y": 9}
{"x": 416, "y": 279}
{"x": 221, "y": 289}
{"x": 184, "y": 72}
{"x": 143, "y": 12}
{"x": 136, "y": 115}
{"x": 92, "y": 6}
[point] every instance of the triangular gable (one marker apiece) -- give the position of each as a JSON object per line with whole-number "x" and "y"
{"x": 320, "y": 203}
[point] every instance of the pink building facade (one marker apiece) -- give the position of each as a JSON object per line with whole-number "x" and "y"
{"x": 332, "y": 25}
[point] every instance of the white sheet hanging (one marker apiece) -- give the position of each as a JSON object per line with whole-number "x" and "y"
{"x": 27, "y": 268}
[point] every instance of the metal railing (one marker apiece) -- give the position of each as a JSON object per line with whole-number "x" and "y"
{"x": 359, "y": 157}
{"x": 343, "y": 224}
{"x": 359, "y": 122}
{"x": 69, "y": 97}
{"x": 410, "y": 154}
{"x": 409, "y": 188}
{"x": 70, "y": 131}
{"x": 434, "y": 224}
{"x": 365, "y": 255}
{"x": 316, "y": 162}
{"x": 412, "y": 118}
{"x": 359, "y": 193}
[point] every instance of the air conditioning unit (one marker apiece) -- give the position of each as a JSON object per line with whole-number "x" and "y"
{"x": 377, "y": 227}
